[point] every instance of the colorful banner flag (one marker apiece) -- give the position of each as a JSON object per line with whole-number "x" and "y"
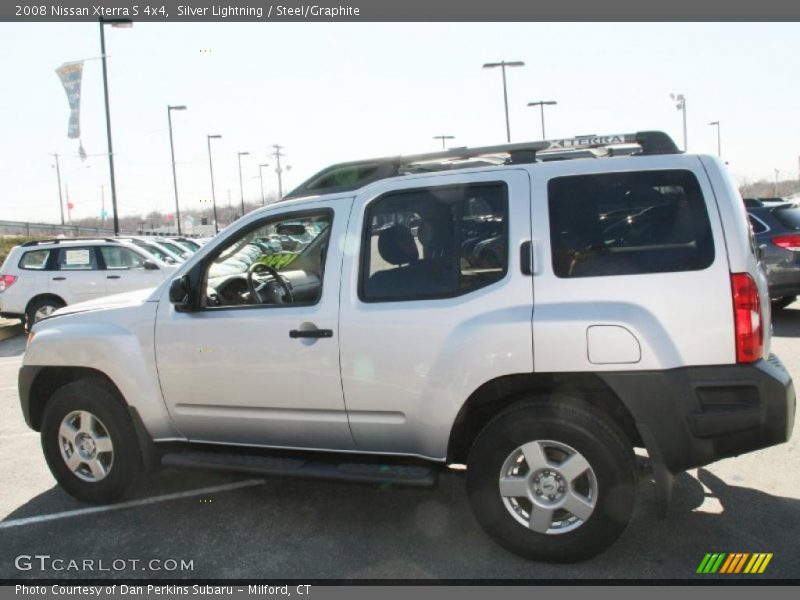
{"x": 70, "y": 74}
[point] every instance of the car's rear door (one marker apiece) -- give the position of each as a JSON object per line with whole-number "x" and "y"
{"x": 436, "y": 301}
{"x": 78, "y": 275}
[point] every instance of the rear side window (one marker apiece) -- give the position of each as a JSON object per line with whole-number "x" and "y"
{"x": 35, "y": 260}
{"x": 77, "y": 259}
{"x": 789, "y": 217}
{"x": 435, "y": 242}
{"x": 628, "y": 223}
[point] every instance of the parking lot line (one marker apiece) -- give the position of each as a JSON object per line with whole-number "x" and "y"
{"x": 131, "y": 504}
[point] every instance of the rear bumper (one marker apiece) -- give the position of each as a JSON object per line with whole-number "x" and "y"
{"x": 693, "y": 416}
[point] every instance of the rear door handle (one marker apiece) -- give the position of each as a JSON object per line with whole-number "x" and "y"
{"x": 59, "y": 278}
{"x": 112, "y": 276}
{"x": 311, "y": 333}
{"x": 526, "y": 258}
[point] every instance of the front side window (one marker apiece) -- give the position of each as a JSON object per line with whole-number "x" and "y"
{"x": 435, "y": 242}
{"x": 628, "y": 224}
{"x": 281, "y": 262}
{"x": 35, "y": 260}
{"x": 77, "y": 259}
{"x": 121, "y": 258}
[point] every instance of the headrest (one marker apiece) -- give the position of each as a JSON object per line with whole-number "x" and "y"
{"x": 396, "y": 245}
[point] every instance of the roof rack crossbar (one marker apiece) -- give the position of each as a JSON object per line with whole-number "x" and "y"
{"x": 352, "y": 175}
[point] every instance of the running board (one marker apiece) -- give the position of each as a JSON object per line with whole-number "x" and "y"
{"x": 278, "y": 466}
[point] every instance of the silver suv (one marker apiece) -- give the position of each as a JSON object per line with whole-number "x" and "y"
{"x": 532, "y": 311}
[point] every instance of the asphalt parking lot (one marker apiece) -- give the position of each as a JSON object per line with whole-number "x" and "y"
{"x": 245, "y": 527}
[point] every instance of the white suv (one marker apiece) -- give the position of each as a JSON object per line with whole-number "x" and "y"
{"x": 534, "y": 311}
{"x": 40, "y": 277}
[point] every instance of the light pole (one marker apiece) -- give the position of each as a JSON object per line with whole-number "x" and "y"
{"x": 241, "y": 187}
{"x": 277, "y": 154}
{"x": 211, "y": 170}
{"x": 60, "y": 197}
{"x": 443, "y": 138}
{"x": 503, "y": 64}
{"x": 719, "y": 138}
{"x": 261, "y": 179}
{"x": 126, "y": 23}
{"x": 172, "y": 151}
{"x": 541, "y": 104}
{"x": 777, "y": 172}
{"x": 680, "y": 104}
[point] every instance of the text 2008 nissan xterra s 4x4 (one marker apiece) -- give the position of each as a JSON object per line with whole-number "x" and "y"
{"x": 534, "y": 311}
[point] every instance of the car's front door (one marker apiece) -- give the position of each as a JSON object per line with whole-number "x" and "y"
{"x": 257, "y": 362}
{"x": 126, "y": 270}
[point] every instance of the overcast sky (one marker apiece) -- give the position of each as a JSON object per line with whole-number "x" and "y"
{"x": 334, "y": 92}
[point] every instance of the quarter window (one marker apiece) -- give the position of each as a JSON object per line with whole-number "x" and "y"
{"x": 35, "y": 260}
{"x": 628, "y": 223}
{"x": 435, "y": 242}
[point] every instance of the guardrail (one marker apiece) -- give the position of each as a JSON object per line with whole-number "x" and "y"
{"x": 51, "y": 230}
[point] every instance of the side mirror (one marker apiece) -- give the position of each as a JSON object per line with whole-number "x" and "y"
{"x": 149, "y": 265}
{"x": 761, "y": 252}
{"x": 180, "y": 293}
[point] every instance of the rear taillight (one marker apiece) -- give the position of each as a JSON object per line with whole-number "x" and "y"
{"x": 788, "y": 242}
{"x": 6, "y": 281}
{"x": 748, "y": 324}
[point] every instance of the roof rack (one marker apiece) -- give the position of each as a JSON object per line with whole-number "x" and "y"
{"x": 60, "y": 240}
{"x": 347, "y": 176}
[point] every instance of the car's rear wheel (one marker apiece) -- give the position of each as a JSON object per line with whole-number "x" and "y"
{"x": 552, "y": 481}
{"x": 39, "y": 309}
{"x": 89, "y": 442}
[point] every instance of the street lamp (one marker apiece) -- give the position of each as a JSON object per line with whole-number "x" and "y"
{"x": 443, "y": 138}
{"x": 777, "y": 172}
{"x": 261, "y": 179}
{"x": 541, "y": 104}
{"x": 503, "y": 64}
{"x": 172, "y": 151}
{"x": 211, "y": 170}
{"x": 119, "y": 23}
{"x": 241, "y": 187}
{"x": 719, "y": 139}
{"x": 680, "y": 104}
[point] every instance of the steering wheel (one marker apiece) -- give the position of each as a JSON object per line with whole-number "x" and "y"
{"x": 257, "y": 268}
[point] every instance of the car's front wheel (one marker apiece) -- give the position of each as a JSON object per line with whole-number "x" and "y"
{"x": 89, "y": 442}
{"x": 552, "y": 481}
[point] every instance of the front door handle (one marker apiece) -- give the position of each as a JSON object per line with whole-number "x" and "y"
{"x": 112, "y": 276}
{"x": 59, "y": 278}
{"x": 311, "y": 333}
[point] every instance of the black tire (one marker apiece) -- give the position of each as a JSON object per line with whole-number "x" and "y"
{"x": 782, "y": 302}
{"x": 98, "y": 398}
{"x": 579, "y": 426}
{"x": 35, "y": 306}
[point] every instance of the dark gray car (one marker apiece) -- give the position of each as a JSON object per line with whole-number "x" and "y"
{"x": 776, "y": 225}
